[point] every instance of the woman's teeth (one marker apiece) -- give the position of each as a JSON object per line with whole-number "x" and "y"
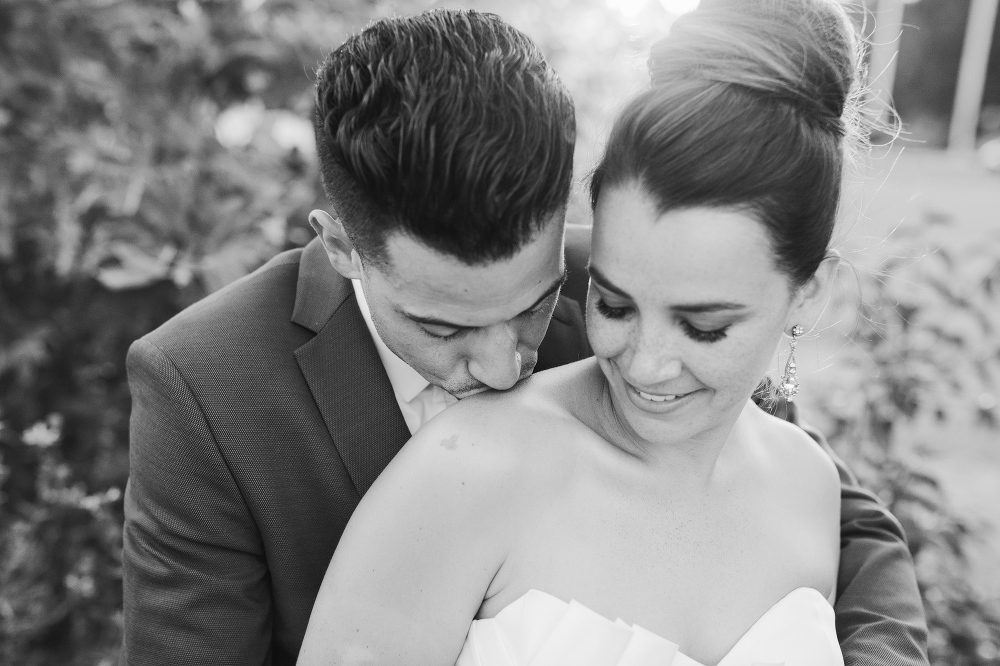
{"x": 660, "y": 398}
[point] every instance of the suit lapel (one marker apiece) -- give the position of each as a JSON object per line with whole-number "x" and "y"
{"x": 344, "y": 371}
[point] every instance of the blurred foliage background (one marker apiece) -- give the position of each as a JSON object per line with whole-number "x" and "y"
{"x": 151, "y": 152}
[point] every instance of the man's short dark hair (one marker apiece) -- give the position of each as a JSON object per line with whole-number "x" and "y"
{"x": 448, "y": 126}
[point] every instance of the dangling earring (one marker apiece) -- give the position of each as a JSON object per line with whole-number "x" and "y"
{"x": 789, "y": 386}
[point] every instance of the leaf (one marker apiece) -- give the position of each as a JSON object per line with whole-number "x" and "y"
{"x": 135, "y": 268}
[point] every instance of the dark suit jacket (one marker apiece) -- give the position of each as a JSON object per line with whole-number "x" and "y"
{"x": 263, "y": 413}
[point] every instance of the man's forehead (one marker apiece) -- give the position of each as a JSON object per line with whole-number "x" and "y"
{"x": 425, "y": 282}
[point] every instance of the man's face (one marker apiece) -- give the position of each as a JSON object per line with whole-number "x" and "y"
{"x": 466, "y": 328}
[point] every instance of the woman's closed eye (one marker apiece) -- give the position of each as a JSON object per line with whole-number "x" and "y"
{"x": 700, "y": 335}
{"x": 612, "y": 311}
{"x": 690, "y": 330}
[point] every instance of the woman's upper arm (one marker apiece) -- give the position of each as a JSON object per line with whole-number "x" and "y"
{"x": 812, "y": 498}
{"x": 418, "y": 555}
{"x": 821, "y": 483}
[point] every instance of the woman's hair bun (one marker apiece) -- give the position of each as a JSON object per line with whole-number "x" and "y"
{"x": 800, "y": 52}
{"x": 753, "y": 107}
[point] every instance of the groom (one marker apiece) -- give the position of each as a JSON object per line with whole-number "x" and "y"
{"x": 263, "y": 413}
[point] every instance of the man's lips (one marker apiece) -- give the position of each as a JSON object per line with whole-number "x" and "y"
{"x": 479, "y": 387}
{"x": 465, "y": 393}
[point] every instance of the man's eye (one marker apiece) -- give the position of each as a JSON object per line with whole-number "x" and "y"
{"x": 612, "y": 312}
{"x": 538, "y": 309}
{"x": 441, "y": 332}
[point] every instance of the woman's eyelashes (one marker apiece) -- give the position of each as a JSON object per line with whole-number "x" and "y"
{"x": 690, "y": 330}
{"x": 612, "y": 312}
{"x": 699, "y": 335}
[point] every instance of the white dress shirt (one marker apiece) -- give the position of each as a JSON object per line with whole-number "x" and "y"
{"x": 418, "y": 399}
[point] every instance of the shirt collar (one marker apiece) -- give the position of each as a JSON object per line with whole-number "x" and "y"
{"x": 406, "y": 381}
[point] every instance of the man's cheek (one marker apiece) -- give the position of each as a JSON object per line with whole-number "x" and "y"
{"x": 531, "y": 336}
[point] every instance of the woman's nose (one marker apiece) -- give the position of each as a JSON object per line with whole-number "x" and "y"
{"x": 653, "y": 361}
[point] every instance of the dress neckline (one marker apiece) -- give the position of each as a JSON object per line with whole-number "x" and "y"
{"x": 686, "y": 660}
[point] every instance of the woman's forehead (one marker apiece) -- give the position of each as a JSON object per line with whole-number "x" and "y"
{"x": 693, "y": 250}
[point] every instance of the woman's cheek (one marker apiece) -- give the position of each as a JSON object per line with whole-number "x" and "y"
{"x": 750, "y": 365}
{"x": 607, "y": 338}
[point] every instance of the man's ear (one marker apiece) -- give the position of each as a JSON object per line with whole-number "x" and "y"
{"x": 812, "y": 297}
{"x": 337, "y": 243}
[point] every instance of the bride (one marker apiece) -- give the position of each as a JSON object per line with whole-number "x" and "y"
{"x": 637, "y": 508}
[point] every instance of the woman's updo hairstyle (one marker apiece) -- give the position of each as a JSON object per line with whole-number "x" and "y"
{"x": 751, "y": 105}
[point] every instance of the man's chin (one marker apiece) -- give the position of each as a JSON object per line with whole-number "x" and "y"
{"x": 462, "y": 395}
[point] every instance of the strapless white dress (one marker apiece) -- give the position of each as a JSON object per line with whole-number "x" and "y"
{"x": 541, "y": 630}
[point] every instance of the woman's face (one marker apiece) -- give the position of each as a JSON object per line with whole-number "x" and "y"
{"x": 684, "y": 313}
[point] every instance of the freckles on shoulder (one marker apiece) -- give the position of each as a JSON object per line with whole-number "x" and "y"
{"x": 465, "y": 442}
{"x": 506, "y": 439}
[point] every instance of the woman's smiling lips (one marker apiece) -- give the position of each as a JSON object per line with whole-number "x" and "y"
{"x": 661, "y": 398}
{"x": 658, "y": 402}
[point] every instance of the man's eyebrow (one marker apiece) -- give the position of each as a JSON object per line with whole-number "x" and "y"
{"x": 433, "y": 321}
{"x": 553, "y": 288}
{"x": 689, "y": 308}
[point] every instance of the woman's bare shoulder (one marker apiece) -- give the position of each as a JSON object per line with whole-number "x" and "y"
{"x": 804, "y": 487}
{"x": 544, "y": 401}
{"x": 791, "y": 451}
{"x": 494, "y": 437}
{"x": 797, "y": 468}
{"x": 446, "y": 511}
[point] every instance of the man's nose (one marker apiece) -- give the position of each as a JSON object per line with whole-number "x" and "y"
{"x": 495, "y": 360}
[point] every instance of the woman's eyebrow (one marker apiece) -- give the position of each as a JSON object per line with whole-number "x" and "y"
{"x": 597, "y": 276}
{"x": 688, "y": 308}
{"x": 700, "y": 308}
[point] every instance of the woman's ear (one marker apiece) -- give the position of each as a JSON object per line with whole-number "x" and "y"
{"x": 812, "y": 297}
{"x": 337, "y": 243}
